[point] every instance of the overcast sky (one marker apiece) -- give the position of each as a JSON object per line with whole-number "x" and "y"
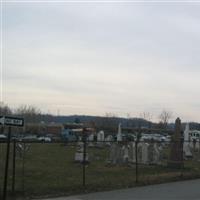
{"x": 93, "y": 58}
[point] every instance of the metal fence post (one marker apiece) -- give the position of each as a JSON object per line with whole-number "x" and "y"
{"x": 6, "y": 165}
{"x": 23, "y": 167}
{"x": 136, "y": 161}
{"x": 84, "y": 155}
{"x": 182, "y": 156}
{"x": 13, "y": 172}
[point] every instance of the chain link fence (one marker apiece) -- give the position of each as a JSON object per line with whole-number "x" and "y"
{"x": 58, "y": 168}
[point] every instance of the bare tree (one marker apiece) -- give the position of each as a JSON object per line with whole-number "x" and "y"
{"x": 30, "y": 113}
{"x": 5, "y": 110}
{"x": 146, "y": 115}
{"x": 164, "y": 117}
{"x": 110, "y": 115}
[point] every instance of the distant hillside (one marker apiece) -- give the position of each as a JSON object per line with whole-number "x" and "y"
{"x": 32, "y": 114}
{"x": 101, "y": 122}
{"x": 98, "y": 122}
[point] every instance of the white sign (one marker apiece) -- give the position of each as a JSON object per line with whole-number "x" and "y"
{"x": 11, "y": 121}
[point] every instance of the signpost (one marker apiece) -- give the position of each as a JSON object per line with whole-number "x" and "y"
{"x": 9, "y": 121}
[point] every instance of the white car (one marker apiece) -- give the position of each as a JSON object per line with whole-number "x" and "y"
{"x": 44, "y": 139}
{"x": 2, "y": 137}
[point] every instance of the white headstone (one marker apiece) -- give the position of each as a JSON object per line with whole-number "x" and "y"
{"x": 143, "y": 157}
{"x": 108, "y": 140}
{"x": 100, "y": 136}
{"x": 79, "y": 155}
{"x": 91, "y": 138}
{"x": 186, "y": 132}
{"x": 119, "y": 134}
{"x": 125, "y": 155}
{"x": 156, "y": 154}
{"x": 187, "y": 144}
{"x": 132, "y": 152}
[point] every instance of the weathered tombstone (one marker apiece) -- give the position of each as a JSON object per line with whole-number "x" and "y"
{"x": 117, "y": 154}
{"x": 100, "y": 136}
{"x": 143, "y": 153}
{"x": 108, "y": 140}
{"x": 100, "y": 139}
{"x": 197, "y": 145}
{"x": 194, "y": 141}
{"x": 186, "y": 132}
{"x": 91, "y": 140}
{"x": 119, "y": 134}
{"x": 91, "y": 137}
{"x": 156, "y": 154}
{"x": 112, "y": 157}
{"x": 131, "y": 152}
{"x": 125, "y": 156}
{"x": 187, "y": 151}
{"x": 79, "y": 155}
{"x": 186, "y": 145}
{"x": 145, "y": 159}
{"x": 176, "y": 154}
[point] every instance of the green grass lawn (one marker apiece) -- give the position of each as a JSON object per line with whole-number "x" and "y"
{"x": 50, "y": 170}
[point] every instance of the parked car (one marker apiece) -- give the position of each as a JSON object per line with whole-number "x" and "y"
{"x": 28, "y": 138}
{"x": 44, "y": 139}
{"x": 2, "y": 138}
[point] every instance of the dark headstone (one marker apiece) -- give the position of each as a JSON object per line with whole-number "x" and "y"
{"x": 176, "y": 153}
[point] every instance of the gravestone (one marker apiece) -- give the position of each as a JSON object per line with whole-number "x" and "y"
{"x": 194, "y": 142}
{"x": 108, "y": 140}
{"x": 119, "y": 134}
{"x": 91, "y": 137}
{"x": 131, "y": 152}
{"x": 100, "y": 136}
{"x": 117, "y": 153}
{"x": 91, "y": 140}
{"x": 176, "y": 153}
{"x": 143, "y": 153}
{"x": 125, "y": 155}
{"x": 79, "y": 155}
{"x": 186, "y": 145}
{"x": 156, "y": 155}
{"x": 100, "y": 139}
{"x": 112, "y": 157}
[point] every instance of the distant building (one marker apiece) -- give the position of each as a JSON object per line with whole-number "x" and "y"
{"x": 71, "y": 131}
{"x": 54, "y": 129}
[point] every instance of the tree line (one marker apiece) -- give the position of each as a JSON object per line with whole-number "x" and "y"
{"x": 110, "y": 121}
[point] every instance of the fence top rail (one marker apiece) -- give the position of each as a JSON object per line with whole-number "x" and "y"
{"x": 105, "y": 142}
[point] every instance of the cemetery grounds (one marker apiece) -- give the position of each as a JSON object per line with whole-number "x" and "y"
{"x": 48, "y": 169}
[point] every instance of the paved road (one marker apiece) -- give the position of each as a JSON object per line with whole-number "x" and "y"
{"x": 185, "y": 190}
